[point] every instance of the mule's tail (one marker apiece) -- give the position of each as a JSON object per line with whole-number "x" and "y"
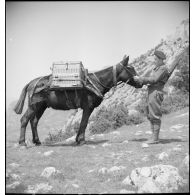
{"x": 19, "y": 106}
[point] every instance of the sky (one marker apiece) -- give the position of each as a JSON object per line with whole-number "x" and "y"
{"x": 97, "y": 33}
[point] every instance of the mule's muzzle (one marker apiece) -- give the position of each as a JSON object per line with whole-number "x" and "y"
{"x": 134, "y": 83}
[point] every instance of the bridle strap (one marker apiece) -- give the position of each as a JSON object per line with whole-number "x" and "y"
{"x": 114, "y": 76}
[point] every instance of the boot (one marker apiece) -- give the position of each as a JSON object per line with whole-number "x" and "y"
{"x": 155, "y": 135}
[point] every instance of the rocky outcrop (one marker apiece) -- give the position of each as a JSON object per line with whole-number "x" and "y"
{"x": 172, "y": 46}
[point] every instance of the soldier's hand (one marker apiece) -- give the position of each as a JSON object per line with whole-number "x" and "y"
{"x": 136, "y": 78}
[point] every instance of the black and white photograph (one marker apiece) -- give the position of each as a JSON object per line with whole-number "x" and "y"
{"x": 97, "y": 97}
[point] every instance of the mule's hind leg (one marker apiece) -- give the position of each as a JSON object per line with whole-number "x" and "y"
{"x": 34, "y": 122}
{"x": 24, "y": 121}
{"x": 80, "y": 138}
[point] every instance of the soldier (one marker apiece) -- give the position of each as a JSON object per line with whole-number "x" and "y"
{"x": 155, "y": 82}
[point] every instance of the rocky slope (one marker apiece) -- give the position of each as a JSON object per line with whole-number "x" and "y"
{"x": 173, "y": 45}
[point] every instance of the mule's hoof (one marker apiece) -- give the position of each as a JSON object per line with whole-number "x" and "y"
{"x": 81, "y": 142}
{"x": 37, "y": 143}
{"x": 22, "y": 144}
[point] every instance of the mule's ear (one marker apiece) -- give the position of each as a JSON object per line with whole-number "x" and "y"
{"x": 125, "y": 60}
{"x": 124, "y": 56}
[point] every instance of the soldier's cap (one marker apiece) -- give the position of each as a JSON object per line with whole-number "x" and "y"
{"x": 160, "y": 54}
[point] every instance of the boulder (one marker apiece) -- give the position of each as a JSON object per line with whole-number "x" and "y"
{"x": 156, "y": 179}
{"x": 49, "y": 171}
{"x": 13, "y": 185}
{"x": 149, "y": 187}
{"x": 186, "y": 162}
{"x": 48, "y": 153}
{"x": 127, "y": 181}
{"x": 163, "y": 156}
{"x": 42, "y": 187}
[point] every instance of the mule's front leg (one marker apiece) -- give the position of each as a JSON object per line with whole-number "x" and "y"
{"x": 80, "y": 138}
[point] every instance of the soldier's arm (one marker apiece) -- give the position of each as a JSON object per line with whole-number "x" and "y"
{"x": 155, "y": 78}
{"x": 147, "y": 72}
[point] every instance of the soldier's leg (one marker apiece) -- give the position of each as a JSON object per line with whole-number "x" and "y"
{"x": 154, "y": 115}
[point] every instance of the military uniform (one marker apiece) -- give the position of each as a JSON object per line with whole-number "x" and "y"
{"x": 155, "y": 82}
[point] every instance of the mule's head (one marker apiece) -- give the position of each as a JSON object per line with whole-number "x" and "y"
{"x": 127, "y": 72}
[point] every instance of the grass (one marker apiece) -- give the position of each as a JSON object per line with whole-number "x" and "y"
{"x": 76, "y": 162}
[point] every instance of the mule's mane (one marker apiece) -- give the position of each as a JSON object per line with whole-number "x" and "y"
{"x": 102, "y": 71}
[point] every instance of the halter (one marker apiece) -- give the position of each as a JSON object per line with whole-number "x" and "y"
{"x": 114, "y": 76}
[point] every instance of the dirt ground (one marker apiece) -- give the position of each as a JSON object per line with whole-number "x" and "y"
{"x": 82, "y": 168}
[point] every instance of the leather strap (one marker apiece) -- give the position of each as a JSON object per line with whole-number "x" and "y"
{"x": 114, "y": 76}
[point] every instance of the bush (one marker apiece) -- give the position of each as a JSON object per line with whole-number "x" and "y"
{"x": 171, "y": 103}
{"x": 62, "y": 135}
{"x": 175, "y": 101}
{"x": 113, "y": 118}
{"x": 181, "y": 79}
{"x": 55, "y": 137}
{"x": 135, "y": 118}
{"x": 100, "y": 125}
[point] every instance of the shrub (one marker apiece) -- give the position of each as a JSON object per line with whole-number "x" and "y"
{"x": 171, "y": 103}
{"x": 175, "y": 101}
{"x": 135, "y": 118}
{"x": 181, "y": 79}
{"x": 55, "y": 137}
{"x": 113, "y": 118}
{"x": 60, "y": 135}
{"x": 100, "y": 125}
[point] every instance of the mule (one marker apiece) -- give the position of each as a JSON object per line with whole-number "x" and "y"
{"x": 70, "y": 99}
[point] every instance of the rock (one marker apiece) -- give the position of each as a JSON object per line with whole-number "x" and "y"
{"x": 176, "y": 127}
{"x": 176, "y": 149}
{"x": 16, "y": 145}
{"x": 100, "y": 135}
{"x": 42, "y": 187}
{"x": 145, "y": 171}
{"x": 168, "y": 178}
{"x": 135, "y": 177}
{"x": 186, "y": 162}
{"x": 163, "y": 178}
{"x": 15, "y": 176}
{"x": 103, "y": 170}
{"x": 106, "y": 144}
{"x": 137, "y": 133}
{"x": 115, "y": 168}
{"x": 48, "y": 153}
{"x": 116, "y": 133}
{"x": 127, "y": 181}
{"x": 149, "y": 187}
{"x": 71, "y": 139}
{"x": 75, "y": 185}
{"x": 145, "y": 145}
{"x": 14, "y": 165}
{"x": 145, "y": 158}
{"x": 90, "y": 171}
{"x": 124, "y": 191}
{"x": 47, "y": 172}
{"x": 125, "y": 142}
{"x": 13, "y": 185}
{"x": 163, "y": 156}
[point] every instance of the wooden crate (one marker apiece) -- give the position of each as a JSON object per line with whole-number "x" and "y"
{"x": 68, "y": 75}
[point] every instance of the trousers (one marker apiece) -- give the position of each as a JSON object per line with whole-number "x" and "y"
{"x": 154, "y": 102}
